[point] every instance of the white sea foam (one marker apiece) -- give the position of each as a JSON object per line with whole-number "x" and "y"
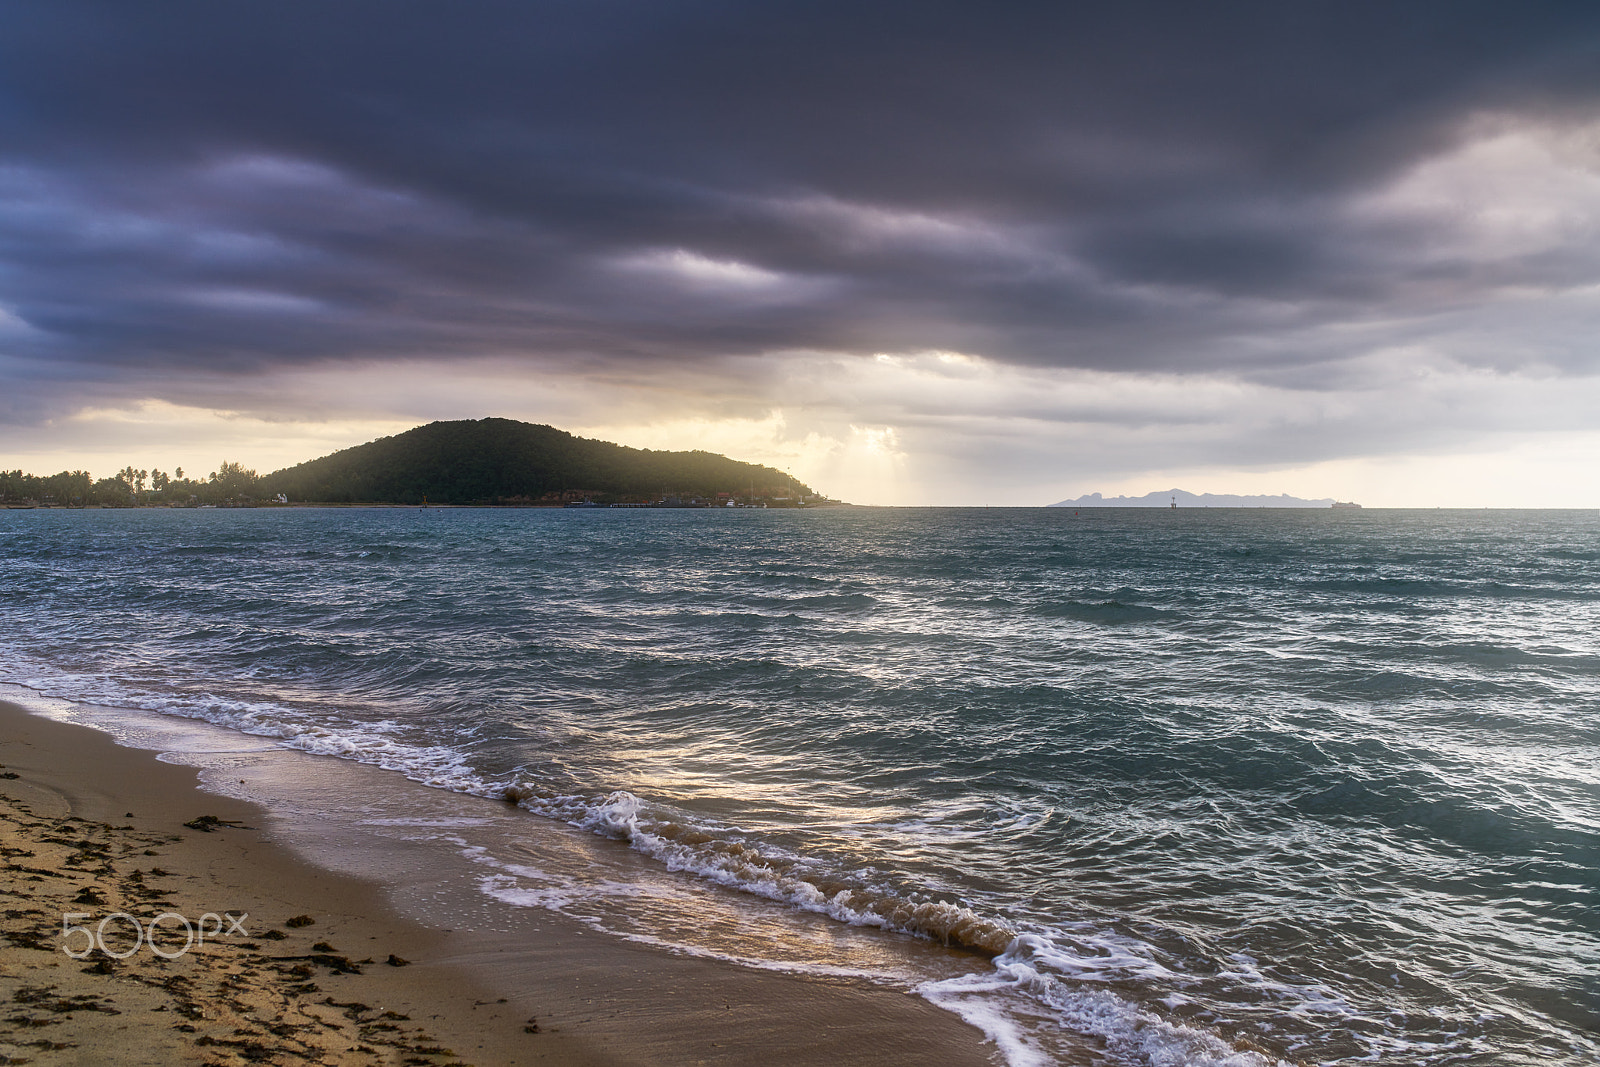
{"x": 1297, "y": 998}
{"x": 1134, "y": 1035}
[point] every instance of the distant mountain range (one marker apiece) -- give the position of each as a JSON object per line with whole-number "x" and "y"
{"x": 1193, "y": 500}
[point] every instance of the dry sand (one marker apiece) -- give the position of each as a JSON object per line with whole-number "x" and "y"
{"x": 89, "y": 827}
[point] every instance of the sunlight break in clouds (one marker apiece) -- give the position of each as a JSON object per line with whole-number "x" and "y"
{"x": 696, "y": 270}
{"x": 1513, "y": 188}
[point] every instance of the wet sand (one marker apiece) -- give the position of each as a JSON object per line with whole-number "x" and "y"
{"x": 87, "y": 826}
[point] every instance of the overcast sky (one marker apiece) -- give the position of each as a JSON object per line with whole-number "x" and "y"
{"x": 914, "y": 253}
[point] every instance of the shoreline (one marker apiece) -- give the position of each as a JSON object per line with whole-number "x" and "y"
{"x": 86, "y": 819}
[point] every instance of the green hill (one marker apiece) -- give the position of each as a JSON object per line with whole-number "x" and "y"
{"x": 501, "y": 461}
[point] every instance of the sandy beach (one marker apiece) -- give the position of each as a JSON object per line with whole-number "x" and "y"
{"x": 301, "y": 965}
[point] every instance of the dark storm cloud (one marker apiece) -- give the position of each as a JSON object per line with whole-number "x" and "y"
{"x": 210, "y": 189}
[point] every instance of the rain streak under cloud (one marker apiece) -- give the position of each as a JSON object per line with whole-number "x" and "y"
{"x": 915, "y": 253}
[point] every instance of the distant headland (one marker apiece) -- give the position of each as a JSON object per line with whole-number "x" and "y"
{"x": 501, "y": 461}
{"x": 1185, "y": 499}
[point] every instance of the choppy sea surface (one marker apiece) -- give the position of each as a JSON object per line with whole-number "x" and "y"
{"x": 1200, "y": 786}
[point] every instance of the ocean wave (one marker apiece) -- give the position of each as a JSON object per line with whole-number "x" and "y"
{"x": 835, "y": 602}
{"x": 1110, "y": 612}
{"x": 765, "y": 871}
{"x": 1440, "y": 588}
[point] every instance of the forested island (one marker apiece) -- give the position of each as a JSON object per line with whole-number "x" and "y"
{"x": 478, "y": 462}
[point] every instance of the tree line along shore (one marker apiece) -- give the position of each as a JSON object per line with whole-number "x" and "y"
{"x": 470, "y": 462}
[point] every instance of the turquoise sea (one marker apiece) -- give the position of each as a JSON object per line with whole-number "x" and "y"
{"x": 1201, "y": 786}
